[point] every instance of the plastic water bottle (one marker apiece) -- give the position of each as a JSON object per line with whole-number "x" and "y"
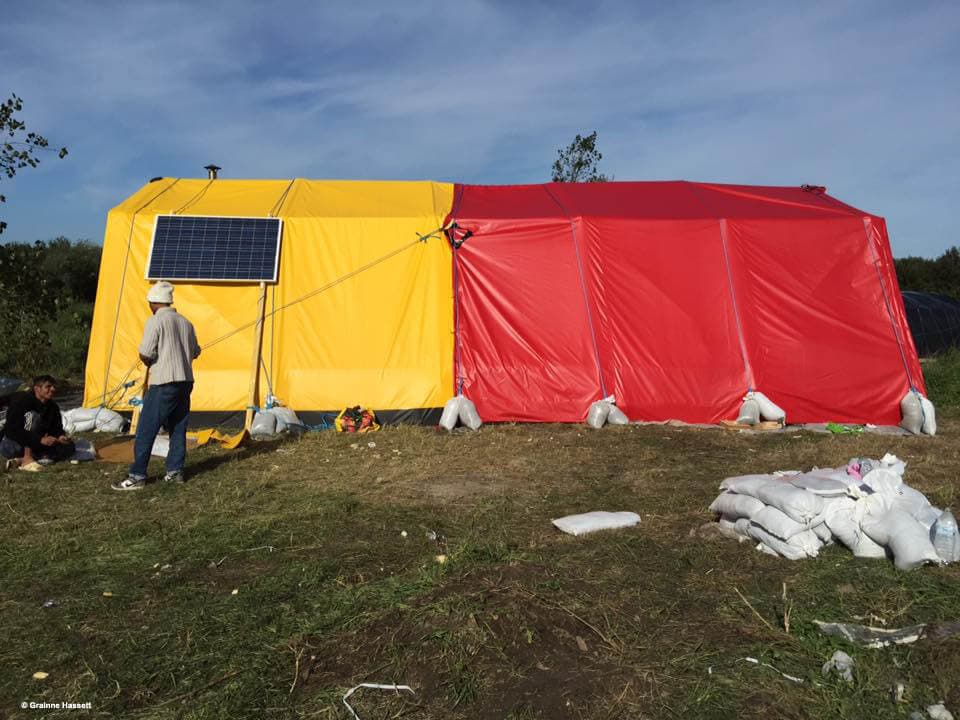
{"x": 945, "y": 537}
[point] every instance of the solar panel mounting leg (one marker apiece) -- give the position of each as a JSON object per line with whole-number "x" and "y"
{"x": 255, "y": 363}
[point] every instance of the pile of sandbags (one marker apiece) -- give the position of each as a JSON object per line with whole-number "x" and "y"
{"x": 919, "y": 415}
{"x": 101, "y": 419}
{"x": 605, "y": 412}
{"x": 273, "y": 421}
{"x": 864, "y": 505}
{"x": 462, "y": 409}
{"x": 757, "y": 407}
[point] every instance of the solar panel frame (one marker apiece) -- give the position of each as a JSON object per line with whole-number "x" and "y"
{"x": 184, "y": 276}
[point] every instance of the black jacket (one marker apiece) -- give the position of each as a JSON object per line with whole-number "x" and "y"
{"x": 28, "y": 419}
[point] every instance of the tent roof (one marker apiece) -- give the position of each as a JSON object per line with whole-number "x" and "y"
{"x": 677, "y": 199}
{"x": 297, "y": 198}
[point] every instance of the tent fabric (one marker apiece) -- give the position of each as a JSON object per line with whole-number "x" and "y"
{"x": 381, "y": 338}
{"x": 674, "y": 297}
{"x": 691, "y": 294}
{"x": 934, "y": 321}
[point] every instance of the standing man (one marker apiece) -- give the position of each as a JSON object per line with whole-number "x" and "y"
{"x": 34, "y": 434}
{"x": 169, "y": 348}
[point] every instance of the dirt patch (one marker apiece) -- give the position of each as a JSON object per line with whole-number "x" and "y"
{"x": 486, "y": 645}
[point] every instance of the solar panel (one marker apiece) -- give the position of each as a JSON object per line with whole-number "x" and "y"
{"x": 225, "y": 249}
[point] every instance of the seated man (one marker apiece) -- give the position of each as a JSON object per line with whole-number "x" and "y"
{"x": 34, "y": 430}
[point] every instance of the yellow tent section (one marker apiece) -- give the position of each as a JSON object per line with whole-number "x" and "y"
{"x": 360, "y": 314}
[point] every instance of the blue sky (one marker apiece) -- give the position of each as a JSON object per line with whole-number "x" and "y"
{"x": 861, "y": 97}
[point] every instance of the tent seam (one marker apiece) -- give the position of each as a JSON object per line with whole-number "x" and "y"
{"x": 123, "y": 280}
{"x": 583, "y": 287}
{"x": 886, "y": 302}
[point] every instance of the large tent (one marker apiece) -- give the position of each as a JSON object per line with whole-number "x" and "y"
{"x": 674, "y": 297}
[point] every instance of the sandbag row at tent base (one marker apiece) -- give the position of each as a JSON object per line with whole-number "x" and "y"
{"x": 864, "y": 505}
{"x": 919, "y": 415}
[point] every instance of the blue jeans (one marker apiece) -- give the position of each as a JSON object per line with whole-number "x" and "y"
{"x": 166, "y": 406}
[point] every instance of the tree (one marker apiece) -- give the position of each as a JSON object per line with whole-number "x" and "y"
{"x": 16, "y": 154}
{"x": 579, "y": 161}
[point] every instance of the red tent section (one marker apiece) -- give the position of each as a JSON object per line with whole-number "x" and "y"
{"x": 676, "y": 298}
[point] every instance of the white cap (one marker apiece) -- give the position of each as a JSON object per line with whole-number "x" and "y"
{"x": 162, "y": 293}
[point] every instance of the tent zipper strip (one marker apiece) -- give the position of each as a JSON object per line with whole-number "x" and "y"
{"x": 583, "y": 287}
{"x": 736, "y": 305}
{"x": 123, "y": 280}
{"x": 886, "y": 301}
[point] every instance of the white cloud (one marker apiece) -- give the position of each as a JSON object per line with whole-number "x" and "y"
{"x": 858, "y": 96}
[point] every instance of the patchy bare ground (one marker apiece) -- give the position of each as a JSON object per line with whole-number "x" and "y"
{"x": 519, "y": 621}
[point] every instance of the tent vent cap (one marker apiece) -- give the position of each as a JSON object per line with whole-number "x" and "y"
{"x": 815, "y": 189}
{"x": 212, "y": 170}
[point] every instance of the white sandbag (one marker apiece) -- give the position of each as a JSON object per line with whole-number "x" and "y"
{"x": 286, "y": 418}
{"x": 749, "y": 484}
{"x": 911, "y": 501}
{"x": 451, "y": 413}
{"x": 738, "y": 526}
{"x": 593, "y": 521}
{"x": 736, "y": 506}
{"x": 80, "y": 426}
{"x": 83, "y": 451}
{"x": 807, "y": 541}
{"x": 616, "y": 416}
{"x": 886, "y": 482}
{"x": 823, "y": 485}
{"x": 161, "y": 446}
{"x": 81, "y": 413}
{"x": 598, "y": 413}
{"x": 823, "y": 532}
{"x": 749, "y": 412}
{"x": 798, "y": 504}
{"x": 780, "y": 547}
{"x": 108, "y": 421}
{"x": 728, "y": 528}
{"x": 777, "y": 523}
{"x": 912, "y": 412}
{"x": 264, "y": 424}
{"x": 842, "y": 518}
{"x": 906, "y": 539}
{"x": 769, "y": 410}
{"x": 469, "y": 415}
{"x": 929, "y": 426}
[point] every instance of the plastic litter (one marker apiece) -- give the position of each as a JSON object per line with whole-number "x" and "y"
{"x": 596, "y": 520}
{"x": 84, "y": 451}
{"x": 47, "y": 604}
{"x": 841, "y": 663}
{"x": 374, "y": 686}
{"x": 871, "y": 637}
{"x": 791, "y": 678}
{"x": 161, "y": 446}
{"x": 939, "y": 712}
{"x": 946, "y": 538}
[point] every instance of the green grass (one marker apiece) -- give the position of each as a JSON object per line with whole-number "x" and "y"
{"x": 942, "y": 374}
{"x": 519, "y": 621}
